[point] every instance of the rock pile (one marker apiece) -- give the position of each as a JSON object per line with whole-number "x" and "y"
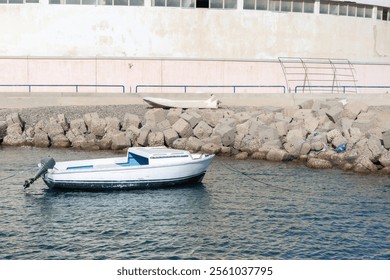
{"x": 321, "y": 134}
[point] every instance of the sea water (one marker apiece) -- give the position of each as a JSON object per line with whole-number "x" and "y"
{"x": 242, "y": 210}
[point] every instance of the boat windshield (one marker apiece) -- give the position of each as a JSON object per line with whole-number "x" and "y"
{"x": 134, "y": 160}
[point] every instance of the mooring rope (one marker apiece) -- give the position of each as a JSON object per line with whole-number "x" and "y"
{"x": 17, "y": 173}
{"x": 252, "y": 178}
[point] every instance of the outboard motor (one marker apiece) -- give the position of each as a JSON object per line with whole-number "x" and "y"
{"x": 46, "y": 164}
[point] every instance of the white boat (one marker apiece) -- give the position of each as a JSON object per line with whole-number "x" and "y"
{"x": 157, "y": 102}
{"x": 143, "y": 167}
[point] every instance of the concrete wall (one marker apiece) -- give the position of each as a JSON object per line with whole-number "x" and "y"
{"x": 78, "y": 44}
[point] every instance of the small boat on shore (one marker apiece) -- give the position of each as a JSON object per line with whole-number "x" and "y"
{"x": 143, "y": 167}
{"x": 157, "y": 102}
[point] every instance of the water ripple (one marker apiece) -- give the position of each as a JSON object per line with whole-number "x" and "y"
{"x": 251, "y": 210}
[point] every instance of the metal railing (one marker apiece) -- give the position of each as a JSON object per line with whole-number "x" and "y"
{"x": 344, "y": 88}
{"x": 76, "y": 86}
{"x": 234, "y": 87}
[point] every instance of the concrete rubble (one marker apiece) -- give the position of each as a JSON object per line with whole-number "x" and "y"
{"x": 320, "y": 134}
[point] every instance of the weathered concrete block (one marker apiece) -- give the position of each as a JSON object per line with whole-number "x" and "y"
{"x": 241, "y": 156}
{"x": 210, "y": 148}
{"x": 98, "y": 127}
{"x": 384, "y": 159}
{"x": 276, "y": 155}
{"x": 14, "y": 118}
{"x": 14, "y": 129}
{"x": 202, "y": 130}
{"x": 142, "y": 138}
{"x": 180, "y": 143}
{"x": 215, "y": 139}
{"x": 297, "y": 147}
{"x": 289, "y": 111}
{"x": 165, "y": 124}
{"x": 88, "y": 119}
{"x": 334, "y": 113}
{"x": 53, "y": 128}
{"x": 296, "y": 134}
{"x": 112, "y": 124}
{"x": 3, "y": 129}
{"x": 333, "y": 134}
{"x": 311, "y": 124}
{"x": 267, "y": 133}
{"x": 339, "y": 140}
{"x": 131, "y": 120}
{"x": 41, "y": 139}
{"x": 307, "y": 104}
{"x": 211, "y": 117}
{"x": 155, "y": 115}
{"x": 60, "y": 141}
{"x": 173, "y": 115}
{"x": 241, "y": 117}
{"x": 183, "y": 128}
{"x": 156, "y": 139}
{"x": 277, "y": 144}
{"x": 106, "y": 142}
{"x": 346, "y": 123}
{"x": 386, "y": 139}
{"x": 317, "y": 146}
{"x": 227, "y": 134}
{"x": 89, "y": 143}
{"x": 364, "y": 165}
{"x": 63, "y": 121}
{"x": 120, "y": 141}
{"x": 191, "y": 117}
{"x": 243, "y": 128}
{"x": 170, "y": 135}
{"x": 318, "y": 163}
{"x": 353, "y": 109}
{"x": 78, "y": 127}
{"x": 363, "y": 124}
{"x": 266, "y": 118}
{"x": 303, "y": 114}
{"x": 193, "y": 144}
{"x": 281, "y": 127}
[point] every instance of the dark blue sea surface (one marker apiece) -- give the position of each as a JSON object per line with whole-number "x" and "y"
{"x": 242, "y": 210}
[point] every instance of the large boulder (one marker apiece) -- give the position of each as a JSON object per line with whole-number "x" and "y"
{"x": 155, "y": 115}
{"x": 120, "y": 141}
{"x": 78, "y": 127}
{"x": 88, "y": 119}
{"x": 210, "y": 148}
{"x": 130, "y": 120}
{"x": 173, "y": 115}
{"x": 170, "y": 135}
{"x": 98, "y": 127}
{"x": 191, "y": 117}
{"x": 364, "y": 165}
{"x": 3, "y": 130}
{"x": 15, "y": 136}
{"x": 194, "y": 144}
{"x": 202, "y": 130}
{"x": 183, "y": 128}
{"x": 156, "y": 139}
{"x": 275, "y": 154}
{"x": 226, "y": 132}
{"x": 318, "y": 163}
{"x": 386, "y": 139}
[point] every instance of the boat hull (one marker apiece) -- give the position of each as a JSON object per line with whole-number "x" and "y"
{"x": 122, "y": 185}
{"x": 128, "y": 177}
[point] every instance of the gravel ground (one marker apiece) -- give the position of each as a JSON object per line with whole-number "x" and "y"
{"x": 32, "y": 115}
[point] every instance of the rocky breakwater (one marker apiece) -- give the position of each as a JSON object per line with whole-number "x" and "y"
{"x": 320, "y": 134}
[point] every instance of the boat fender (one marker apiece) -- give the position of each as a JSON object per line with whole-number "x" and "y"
{"x": 46, "y": 164}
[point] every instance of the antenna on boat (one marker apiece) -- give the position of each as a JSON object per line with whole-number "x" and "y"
{"x": 46, "y": 164}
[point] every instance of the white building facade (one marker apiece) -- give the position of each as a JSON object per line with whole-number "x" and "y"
{"x": 191, "y": 45}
